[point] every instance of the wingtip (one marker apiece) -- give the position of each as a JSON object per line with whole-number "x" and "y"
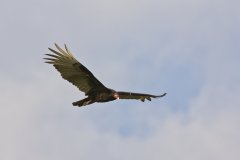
{"x": 164, "y": 94}
{"x": 50, "y": 49}
{"x": 56, "y": 45}
{"x": 68, "y": 51}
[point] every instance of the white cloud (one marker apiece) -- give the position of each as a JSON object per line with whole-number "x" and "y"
{"x": 138, "y": 43}
{"x": 31, "y": 128}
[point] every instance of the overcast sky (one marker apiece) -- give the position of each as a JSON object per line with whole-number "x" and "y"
{"x": 189, "y": 49}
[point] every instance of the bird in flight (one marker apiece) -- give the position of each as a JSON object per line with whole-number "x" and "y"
{"x": 85, "y": 81}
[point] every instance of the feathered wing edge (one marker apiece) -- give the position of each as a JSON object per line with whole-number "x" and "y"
{"x": 72, "y": 70}
{"x": 58, "y": 55}
{"x": 138, "y": 96}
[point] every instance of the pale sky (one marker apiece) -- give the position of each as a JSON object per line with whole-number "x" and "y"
{"x": 189, "y": 49}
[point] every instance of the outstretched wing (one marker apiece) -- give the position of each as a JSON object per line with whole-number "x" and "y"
{"x": 138, "y": 96}
{"x": 73, "y": 71}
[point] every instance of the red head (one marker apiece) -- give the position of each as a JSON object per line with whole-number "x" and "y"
{"x": 115, "y": 95}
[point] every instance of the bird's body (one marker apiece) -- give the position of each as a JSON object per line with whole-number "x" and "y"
{"x": 81, "y": 77}
{"x": 100, "y": 96}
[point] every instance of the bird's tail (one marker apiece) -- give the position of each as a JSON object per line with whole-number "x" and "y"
{"x": 83, "y": 102}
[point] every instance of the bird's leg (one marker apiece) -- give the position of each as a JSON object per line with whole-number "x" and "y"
{"x": 83, "y": 102}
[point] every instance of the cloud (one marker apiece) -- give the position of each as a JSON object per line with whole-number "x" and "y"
{"x": 48, "y": 128}
{"x": 188, "y": 49}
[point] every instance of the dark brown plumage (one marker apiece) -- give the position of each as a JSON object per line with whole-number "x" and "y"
{"x": 81, "y": 77}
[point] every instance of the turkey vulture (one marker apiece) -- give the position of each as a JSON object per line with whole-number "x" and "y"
{"x": 81, "y": 77}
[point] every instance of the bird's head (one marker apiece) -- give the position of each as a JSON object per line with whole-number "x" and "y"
{"x": 116, "y": 95}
